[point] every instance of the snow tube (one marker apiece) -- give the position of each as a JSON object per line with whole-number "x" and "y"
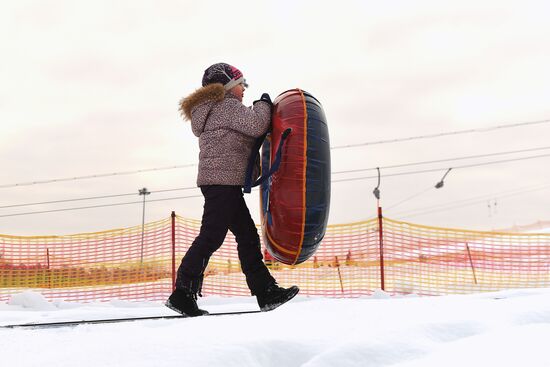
{"x": 295, "y": 200}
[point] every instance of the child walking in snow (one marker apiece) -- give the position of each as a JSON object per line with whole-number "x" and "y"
{"x": 227, "y": 131}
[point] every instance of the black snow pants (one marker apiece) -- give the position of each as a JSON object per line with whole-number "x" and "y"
{"x": 224, "y": 209}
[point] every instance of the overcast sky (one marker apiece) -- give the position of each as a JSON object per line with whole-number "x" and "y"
{"x": 92, "y": 87}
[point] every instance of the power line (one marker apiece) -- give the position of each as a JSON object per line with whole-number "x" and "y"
{"x": 97, "y": 206}
{"x": 100, "y": 175}
{"x": 429, "y": 136}
{"x": 192, "y": 164}
{"x": 462, "y": 203}
{"x": 65, "y": 200}
{"x": 440, "y": 169}
{"x": 177, "y": 189}
{"x": 442, "y": 160}
{"x": 195, "y": 196}
{"x": 92, "y": 198}
{"x": 476, "y": 199}
{"x": 337, "y": 172}
{"x": 335, "y": 181}
{"x": 191, "y": 188}
{"x": 407, "y": 214}
{"x": 410, "y": 197}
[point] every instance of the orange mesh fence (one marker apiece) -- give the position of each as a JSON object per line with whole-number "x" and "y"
{"x": 90, "y": 266}
{"x": 345, "y": 265}
{"x": 139, "y": 263}
{"x": 433, "y": 261}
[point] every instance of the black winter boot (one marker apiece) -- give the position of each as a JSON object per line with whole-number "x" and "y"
{"x": 185, "y": 302}
{"x": 274, "y": 296}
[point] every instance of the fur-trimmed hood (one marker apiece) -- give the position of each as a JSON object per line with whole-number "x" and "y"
{"x": 197, "y": 105}
{"x": 227, "y": 132}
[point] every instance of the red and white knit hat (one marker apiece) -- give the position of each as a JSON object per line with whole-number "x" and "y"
{"x": 225, "y": 74}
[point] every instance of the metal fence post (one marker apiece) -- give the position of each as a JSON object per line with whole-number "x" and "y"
{"x": 173, "y": 250}
{"x": 381, "y": 243}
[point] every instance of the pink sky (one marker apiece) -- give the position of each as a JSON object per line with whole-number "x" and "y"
{"x": 92, "y": 87}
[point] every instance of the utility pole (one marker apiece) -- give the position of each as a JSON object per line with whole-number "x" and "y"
{"x": 376, "y": 193}
{"x": 143, "y": 192}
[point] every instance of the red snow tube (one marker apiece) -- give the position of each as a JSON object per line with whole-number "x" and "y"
{"x": 295, "y": 200}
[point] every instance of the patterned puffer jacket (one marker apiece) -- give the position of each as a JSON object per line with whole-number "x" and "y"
{"x": 227, "y": 131}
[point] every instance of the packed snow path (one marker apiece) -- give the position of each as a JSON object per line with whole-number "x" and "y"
{"x": 509, "y": 328}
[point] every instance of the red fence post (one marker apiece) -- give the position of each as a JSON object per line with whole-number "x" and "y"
{"x": 381, "y": 242}
{"x": 173, "y": 250}
{"x": 48, "y": 272}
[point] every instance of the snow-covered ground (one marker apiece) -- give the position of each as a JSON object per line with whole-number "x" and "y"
{"x": 509, "y": 328}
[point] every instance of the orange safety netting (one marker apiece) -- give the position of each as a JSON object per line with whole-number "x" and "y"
{"x": 138, "y": 263}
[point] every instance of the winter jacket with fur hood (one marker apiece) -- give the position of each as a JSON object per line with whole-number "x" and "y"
{"x": 227, "y": 130}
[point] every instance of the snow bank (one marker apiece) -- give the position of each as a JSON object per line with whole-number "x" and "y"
{"x": 31, "y": 300}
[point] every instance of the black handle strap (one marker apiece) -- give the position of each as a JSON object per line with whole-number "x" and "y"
{"x": 248, "y": 185}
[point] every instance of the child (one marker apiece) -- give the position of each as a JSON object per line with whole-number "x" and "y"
{"x": 227, "y": 131}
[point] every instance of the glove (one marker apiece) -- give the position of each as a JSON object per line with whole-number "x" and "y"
{"x": 265, "y": 98}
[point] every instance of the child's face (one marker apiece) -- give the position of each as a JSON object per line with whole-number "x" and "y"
{"x": 238, "y": 91}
